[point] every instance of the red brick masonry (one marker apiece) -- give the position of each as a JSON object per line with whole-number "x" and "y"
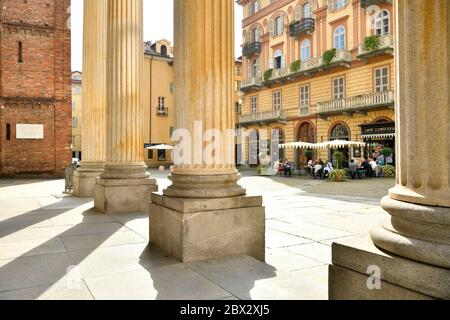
{"x": 38, "y": 90}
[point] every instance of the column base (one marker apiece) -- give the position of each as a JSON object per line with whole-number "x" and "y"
{"x": 123, "y": 195}
{"x": 84, "y": 183}
{"x": 401, "y": 278}
{"x": 191, "y": 229}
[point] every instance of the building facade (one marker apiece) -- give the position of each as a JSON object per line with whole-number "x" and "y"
{"x": 317, "y": 71}
{"x": 35, "y": 88}
{"x": 77, "y": 118}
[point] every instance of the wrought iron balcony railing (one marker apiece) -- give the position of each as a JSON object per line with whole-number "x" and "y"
{"x": 251, "y": 49}
{"x": 301, "y": 27}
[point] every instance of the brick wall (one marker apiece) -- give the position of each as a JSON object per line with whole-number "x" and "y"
{"x": 38, "y": 90}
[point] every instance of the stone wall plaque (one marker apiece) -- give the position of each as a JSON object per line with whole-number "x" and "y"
{"x": 30, "y": 131}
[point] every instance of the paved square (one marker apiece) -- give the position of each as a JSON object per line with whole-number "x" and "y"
{"x": 58, "y": 247}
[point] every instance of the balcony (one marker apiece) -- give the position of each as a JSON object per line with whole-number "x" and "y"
{"x": 162, "y": 112}
{"x": 250, "y": 84}
{"x": 385, "y": 46}
{"x": 357, "y": 104}
{"x": 368, "y": 3}
{"x": 262, "y": 117}
{"x": 251, "y": 48}
{"x": 304, "y": 26}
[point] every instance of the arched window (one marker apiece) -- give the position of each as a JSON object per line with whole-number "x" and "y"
{"x": 339, "y": 38}
{"x": 164, "y": 51}
{"x": 340, "y": 132}
{"x": 339, "y": 4}
{"x": 256, "y": 35}
{"x": 20, "y": 54}
{"x": 305, "y": 50}
{"x": 383, "y": 23}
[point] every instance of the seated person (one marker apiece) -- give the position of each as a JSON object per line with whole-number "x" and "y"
{"x": 374, "y": 165}
{"x": 354, "y": 169}
{"x": 328, "y": 168}
{"x": 287, "y": 168}
{"x": 318, "y": 169}
{"x": 310, "y": 166}
{"x": 367, "y": 168}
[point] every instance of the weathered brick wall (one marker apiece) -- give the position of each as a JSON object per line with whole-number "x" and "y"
{"x": 37, "y": 91}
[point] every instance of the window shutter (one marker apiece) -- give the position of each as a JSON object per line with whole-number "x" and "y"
{"x": 272, "y": 27}
{"x": 249, "y": 37}
{"x": 282, "y": 24}
{"x": 283, "y": 62}
{"x": 298, "y": 13}
{"x": 271, "y": 63}
{"x": 257, "y": 35}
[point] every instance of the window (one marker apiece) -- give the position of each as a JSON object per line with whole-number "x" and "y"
{"x": 305, "y": 50}
{"x": 8, "y": 132}
{"x": 76, "y": 90}
{"x": 74, "y": 106}
{"x": 382, "y": 79}
{"x": 304, "y": 100}
{"x": 278, "y": 59}
{"x": 278, "y": 26}
{"x": 382, "y": 23}
{"x": 339, "y": 4}
{"x": 254, "y": 104}
{"x": 255, "y": 68}
{"x": 338, "y": 88}
{"x": 307, "y": 12}
{"x": 74, "y": 122}
{"x": 339, "y": 38}
{"x": 237, "y": 85}
{"x": 164, "y": 51}
{"x": 150, "y": 154}
{"x": 340, "y": 132}
{"x": 161, "y": 105}
{"x": 162, "y": 155}
{"x": 277, "y": 100}
{"x": 254, "y": 7}
{"x": 20, "y": 55}
{"x": 237, "y": 107}
{"x": 256, "y": 35}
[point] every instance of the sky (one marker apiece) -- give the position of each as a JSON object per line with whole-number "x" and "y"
{"x": 158, "y": 24}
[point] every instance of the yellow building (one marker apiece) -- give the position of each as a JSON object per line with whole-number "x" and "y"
{"x": 76, "y": 114}
{"x": 318, "y": 71}
{"x": 158, "y": 100}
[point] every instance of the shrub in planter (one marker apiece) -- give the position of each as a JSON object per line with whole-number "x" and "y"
{"x": 372, "y": 43}
{"x": 338, "y": 175}
{"x": 386, "y": 152}
{"x": 338, "y": 159}
{"x": 328, "y": 56}
{"x": 268, "y": 74}
{"x": 295, "y": 66}
{"x": 389, "y": 171}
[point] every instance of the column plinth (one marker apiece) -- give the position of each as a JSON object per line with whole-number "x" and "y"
{"x": 205, "y": 214}
{"x": 416, "y": 237}
{"x": 93, "y": 98}
{"x": 125, "y": 185}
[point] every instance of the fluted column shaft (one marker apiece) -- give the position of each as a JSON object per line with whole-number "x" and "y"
{"x": 94, "y": 84}
{"x": 423, "y": 97}
{"x": 204, "y": 79}
{"x": 419, "y": 227}
{"x": 125, "y": 146}
{"x": 204, "y": 71}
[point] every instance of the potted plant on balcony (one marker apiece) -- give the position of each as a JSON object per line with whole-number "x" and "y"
{"x": 268, "y": 74}
{"x": 295, "y": 66}
{"x": 328, "y": 56}
{"x": 338, "y": 174}
{"x": 371, "y": 43}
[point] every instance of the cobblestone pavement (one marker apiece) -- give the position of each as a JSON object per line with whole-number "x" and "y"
{"x": 58, "y": 247}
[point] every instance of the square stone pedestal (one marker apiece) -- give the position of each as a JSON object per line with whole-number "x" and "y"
{"x": 84, "y": 183}
{"x": 401, "y": 279}
{"x": 201, "y": 229}
{"x": 123, "y": 195}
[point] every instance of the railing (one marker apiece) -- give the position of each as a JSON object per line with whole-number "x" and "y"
{"x": 386, "y": 42}
{"x": 304, "y": 26}
{"x": 279, "y": 73}
{"x": 305, "y": 110}
{"x": 261, "y": 116}
{"x": 356, "y": 102}
{"x": 251, "y": 48}
{"x": 254, "y": 81}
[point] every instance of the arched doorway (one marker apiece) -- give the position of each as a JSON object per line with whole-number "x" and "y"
{"x": 306, "y": 133}
{"x": 340, "y": 131}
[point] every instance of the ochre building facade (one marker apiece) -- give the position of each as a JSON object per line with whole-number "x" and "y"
{"x": 35, "y": 88}
{"x": 316, "y": 71}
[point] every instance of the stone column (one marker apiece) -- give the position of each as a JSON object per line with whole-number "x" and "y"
{"x": 93, "y": 98}
{"x": 414, "y": 260}
{"x": 125, "y": 185}
{"x": 205, "y": 214}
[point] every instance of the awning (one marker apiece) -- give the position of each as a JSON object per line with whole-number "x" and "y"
{"x": 297, "y": 145}
{"x": 337, "y": 144}
{"x": 379, "y": 136}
